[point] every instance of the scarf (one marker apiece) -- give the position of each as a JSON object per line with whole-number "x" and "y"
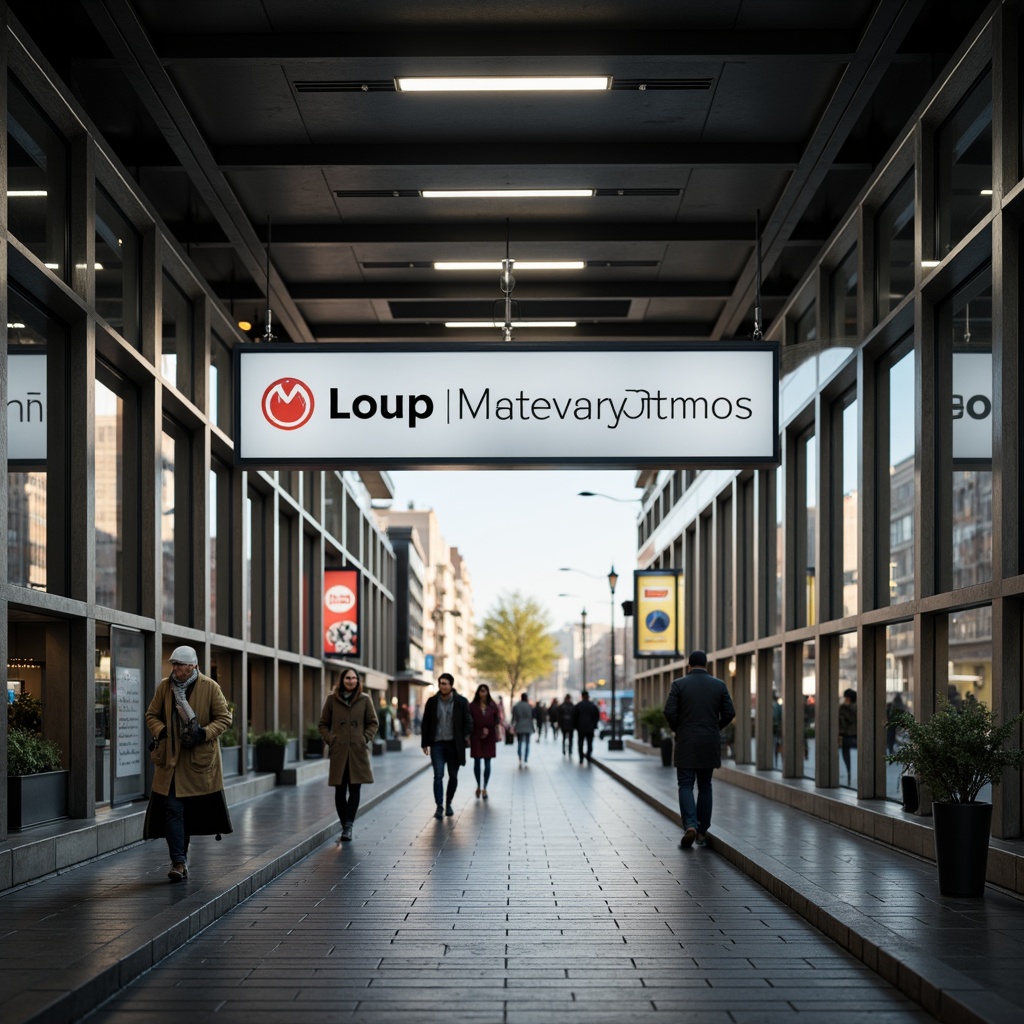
{"x": 180, "y": 703}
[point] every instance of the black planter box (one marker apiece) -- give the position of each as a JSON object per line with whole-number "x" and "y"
{"x": 35, "y": 799}
{"x": 270, "y": 759}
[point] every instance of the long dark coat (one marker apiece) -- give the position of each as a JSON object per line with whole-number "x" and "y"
{"x": 196, "y": 771}
{"x": 484, "y": 718}
{"x": 462, "y": 724}
{"x": 698, "y": 708}
{"x": 347, "y": 731}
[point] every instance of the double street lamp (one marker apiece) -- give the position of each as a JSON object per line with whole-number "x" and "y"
{"x": 583, "y": 630}
{"x": 614, "y": 743}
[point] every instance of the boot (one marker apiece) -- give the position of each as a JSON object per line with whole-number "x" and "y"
{"x": 346, "y": 832}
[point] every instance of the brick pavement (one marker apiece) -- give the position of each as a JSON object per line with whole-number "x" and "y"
{"x": 563, "y": 896}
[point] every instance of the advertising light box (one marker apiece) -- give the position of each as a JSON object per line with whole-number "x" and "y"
{"x": 506, "y": 405}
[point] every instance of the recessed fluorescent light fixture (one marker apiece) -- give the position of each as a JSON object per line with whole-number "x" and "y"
{"x": 16, "y": 326}
{"x": 485, "y": 324}
{"x": 519, "y": 83}
{"x": 986, "y": 191}
{"x": 930, "y": 263}
{"x": 507, "y": 193}
{"x": 25, "y": 193}
{"x": 52, "y": 266}
{"x": 517, "y": 265}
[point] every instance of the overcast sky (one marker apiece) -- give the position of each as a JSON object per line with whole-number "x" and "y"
{"x": 516, "y": 528}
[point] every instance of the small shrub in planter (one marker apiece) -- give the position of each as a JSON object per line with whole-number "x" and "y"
{"x": 270, "y": 750}
{"x": 29, "y": 754}
{"x": 229, "y": 738}
{"x": 653, "y": 718}
{"x": 37, "y": 786}
{"x": 314, "y": 742}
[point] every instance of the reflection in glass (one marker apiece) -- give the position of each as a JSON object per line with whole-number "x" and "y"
{"x": 779, "y": 545}
{"x": 850, "y": 511}
{"x": 847, "y": 704}
{"x": 808, "y": 690}
{"x": 894, "y": 233}
{"x": 901, "y": 481}
{"x": 963, "y": 158}
{"x": 810, "y": 474}
{"x": 117, "y": 269}
{"x": 37, "y": 181}
{"x": 777, "y": 704}
{"x": 843, "y": 287}
{"x": 969, "y": 674}
{"x": 807, "y": 325}
{"x": 219, "y": 387}
{"x": 109, "y": 495}
{"x": 176, "y": 337}
{"x": 899, "y": 693}
{"x": 167, "y": 517}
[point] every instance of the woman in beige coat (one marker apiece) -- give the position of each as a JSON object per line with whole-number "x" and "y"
{"x": 348, "y": 723}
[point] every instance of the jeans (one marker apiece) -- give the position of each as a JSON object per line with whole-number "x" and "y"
{"x": 695, "y": 815}
{"x": 523, "y": 741}
{"x": 174, "y": 827}
{"x": 567, "y": 741}
{"x": 444, "y": 755}
{"x": 581, "y": 739}
{"x": 486, "y": 762}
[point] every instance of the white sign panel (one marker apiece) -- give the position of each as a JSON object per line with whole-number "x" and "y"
{"x": 972, "y": 405}
{"x": 26, "y": 406}
{"x": 394, "y": 406}
{"x": 128, "y": 707}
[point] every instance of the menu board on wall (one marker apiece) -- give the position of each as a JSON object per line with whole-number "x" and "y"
{"x": 128, "y": 709}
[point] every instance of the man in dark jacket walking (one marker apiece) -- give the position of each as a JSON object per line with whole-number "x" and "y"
{"x": 444, "y": 736}
{"x": 565, "y": 724}
{"x": 698, "y": 708}
{"x": 585, "y": 716}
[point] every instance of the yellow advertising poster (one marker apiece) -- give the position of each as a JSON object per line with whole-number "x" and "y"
{"x": 655, "y": 613}
{"x": 681, "y": 614}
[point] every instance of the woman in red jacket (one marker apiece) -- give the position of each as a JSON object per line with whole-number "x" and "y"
{"x": 486, "y": 717}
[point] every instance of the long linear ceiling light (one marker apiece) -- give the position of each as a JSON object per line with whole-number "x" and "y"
{"x": 507, "y": 193}
{"x": 520, "y": 265}
{"x": 484, "y": 324}
{"x": 518, "y": 83}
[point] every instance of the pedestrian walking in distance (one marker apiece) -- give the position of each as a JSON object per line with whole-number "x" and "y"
{"x": 698, "y": 708}
{"x": 483, "y": 741}
{"x": 585, "y": 718}
{"x": 565, "y": 724}
{"x": 348, "y": 723}
{"x": 186, "y": 716}
{"x": 444, "y": 736}
{"x": 522, "y": 723}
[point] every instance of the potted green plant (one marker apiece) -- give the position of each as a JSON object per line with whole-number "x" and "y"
{"x": 37, "y": 786}
{"x": 270, "y": 750}
{"x": 653, "y": 718}
{"x": 956, "y": 753}
{"x": 314, "y": 743}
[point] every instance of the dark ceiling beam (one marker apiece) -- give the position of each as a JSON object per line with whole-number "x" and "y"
{"x": 460, "y": 232}
{"x": 708, "y": 46}
{"x": 411, "y": 156}
{"x": 118, "y": 23}
{"x": 890, "y": 22}
{"x": 636, "y": 331}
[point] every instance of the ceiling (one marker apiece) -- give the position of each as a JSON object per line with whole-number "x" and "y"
{"x": 236, "y": 114}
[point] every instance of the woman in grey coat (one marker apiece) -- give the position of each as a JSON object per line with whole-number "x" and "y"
{"x": 522, "y": 724}
{"x": 348, "y": 723}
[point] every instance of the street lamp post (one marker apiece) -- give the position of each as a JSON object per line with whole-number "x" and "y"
{"x": 583, "y": 619}
{"x": 614, "y": 743}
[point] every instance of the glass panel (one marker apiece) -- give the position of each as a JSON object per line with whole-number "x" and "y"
{"x": 810, "y": 467}
{"x": 808, "y": 690}
{"x": 753, "y": 710}
{"x": 777, "y": 706}
{"x": 109, "y": 494}
{"x": 167, "y": 518}
{"x": 117, "y": 269}
{"x": 901, "y": 481}
{"x": 848, "y": 710}
{"x": 219, "y": 388}
{"x": 970, "y": 661}
{"x": 212, "y": 499}
{"x": 850, "y": 511}
{"x": 37, "y": 182}
{"x": 972, "y": 408}
{"x": 843, "y": 287}
{"x": 807, "y": 325}
{"x": 894, "y": 230}
{"x": 176, "y": 337}
{"x": 29, "y": 330}
{"x": 780, "y": 564}
{"x": 963, "y": 158}
{"x": 899, "y": 693}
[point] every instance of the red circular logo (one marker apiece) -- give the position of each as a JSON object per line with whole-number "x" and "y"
{"x": 288, "y": 403}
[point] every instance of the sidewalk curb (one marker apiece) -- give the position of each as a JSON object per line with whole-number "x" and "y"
{"x": 940, "y": 989}
{"x": 55, "y": 1001}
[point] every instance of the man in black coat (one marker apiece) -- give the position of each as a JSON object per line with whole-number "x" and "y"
{"x": 585, "y": 716}
{"x": 698, "y": 708}
{"x": 565, "y": 724}
{"x": 444, "y": 736}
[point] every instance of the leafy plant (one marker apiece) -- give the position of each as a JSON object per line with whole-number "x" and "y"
{"x": 229, "y": 738}
{"x": 957, "y": 752}
{"x": 312, "y": 733}
{"x": 270, "y": 739}
{"x": 655, "y": 721}
{"x": 25, "y": 713}
{"x": 29, "y": 754}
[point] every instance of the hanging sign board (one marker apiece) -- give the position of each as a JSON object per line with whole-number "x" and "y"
{"x": 26, "y": 406}
{"x": 341, "y": 613}
{"x": 972, "y": 406}
{"x": 507, "y": 405}
{"x": 658, "y": 613}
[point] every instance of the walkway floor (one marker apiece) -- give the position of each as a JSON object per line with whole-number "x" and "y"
{"x": 562, "y": 897}
{"x": 564, "y": 894}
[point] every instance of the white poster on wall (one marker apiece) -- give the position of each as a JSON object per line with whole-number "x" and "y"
{"x": 972, "y": 406}
{"x": 128, "y": 708}
{"x": 26, "y": 406}
{"x": 507, "y": 405}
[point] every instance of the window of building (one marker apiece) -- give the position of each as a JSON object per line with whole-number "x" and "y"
{"x": 176, "y": 337}
{"x": 218, "y": 393}
{"x": 287, "y": 596}
{"x": 806, "y": 327}
{"x": 807, "y": 529}
{"x": 117, "y": 492}
{"x": 221, "y": 533}
{"x": 847, "y": 711}
{"x": 746, "y": 568}
{"x": 778, "y": 706}
{"x": 808, "y": 720}
{"x": 897, "y": 483}
{"x": 778, "y": 606}
{"x": 843, "y": 298}
{"x": 256, "y": 555}
{"x": 894, "y": 255}
{"x": 963, "y": 164}
{"x": 724, "y": 568}
{"x": 899, "y": 694}
{"x": 847, "y": 520}
{"x": 176, "y": 523}
{"x": 970, "y": 662}
{"x": 118, "y": 269}
{"x": 37, "y": 182}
